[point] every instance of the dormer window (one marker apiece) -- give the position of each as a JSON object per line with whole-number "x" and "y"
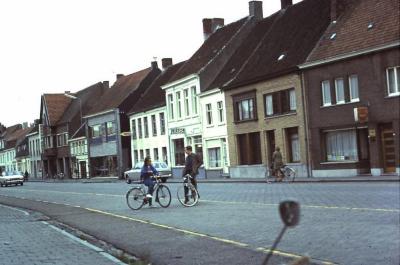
{"x": 370, "y": 25}
{"x": 333, "y": 36}
{"x": 281, "y": 57}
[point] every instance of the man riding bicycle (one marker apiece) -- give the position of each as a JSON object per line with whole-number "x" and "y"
{"x": 192, "y": 164}
{"x": 146, "y": 176}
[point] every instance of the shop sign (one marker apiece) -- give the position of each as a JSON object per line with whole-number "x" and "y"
{"x": 361, "y": 114}
{"x": 178, "y": 131}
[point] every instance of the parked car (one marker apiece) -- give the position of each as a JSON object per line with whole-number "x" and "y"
{"x": 11, "y": 178}
{"x": 134, "y": 173}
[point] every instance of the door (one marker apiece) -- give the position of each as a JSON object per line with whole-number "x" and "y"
{"x": 364, "y": 166}
{"x": 271, "y": 145}
{"x": 82, "y": 165}
{"x": 388, "y": 148}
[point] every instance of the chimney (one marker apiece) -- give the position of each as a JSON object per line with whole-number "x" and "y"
{"x": 119, "y": 76}
{"x": 24, "y": 125}
{"x": 67, "y": 92}
{"x": 154, "y": 65}
{"x": 337, "y": 7}
{"x": 207, "y": 27}
{"x": 166, "y": 62}
{"x": 286, "y": 3}
{"x": 216, "y": 24}
{"x": 106, "y": 85}
{"x": 256, "y": 9}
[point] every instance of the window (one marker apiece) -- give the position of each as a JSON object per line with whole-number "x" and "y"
{"x": 246, "y": 109}
{"x": 353, "y": 86}
{"x": 393, "y": 81}
{"x": 154, "y": 125}
{"x": 339, "y": 89}
{"x": 146, "y": 127}
{"x": 135, "y": 156}
{"x": 60, "y": 140}
{"x": 209, "y": 113}
{"x": 141, "y": 155}
{"x": 147, "y": 152}
{"x": 133, "y": 129}
{"x": 140, "y": 132}
{"x": 171, "y": 106}
{"x": 214, "y": 157}
{"x": 96, "y": 131}
{"x": 220, "y": 108}
{"x": 164, "y": 154}
{"x": 155, "y": 154}
{"x": 65, "y": 139}
{"x": 186, "y": 98}
{"x": 293, "y": 144}
{"x": 110, "y": 128}
{"x": 162, "y": 123}
{"x": 178, "y": 104}
{"x": 280, "y": 102}
{"x": 269, "y": 110}
{"x": 341, "y": 145}
{"x": 292, "y": 100}
{"x": 194, "y": 100}
{"x": 326, "y": 93}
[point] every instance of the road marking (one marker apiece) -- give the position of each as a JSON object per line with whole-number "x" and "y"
{"x": 232, "y": 202}
{"x": 16, "y": 209}
{"x": 86, "y": 244}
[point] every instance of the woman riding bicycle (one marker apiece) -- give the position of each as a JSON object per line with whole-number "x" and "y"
{"x": 146, "y": 176}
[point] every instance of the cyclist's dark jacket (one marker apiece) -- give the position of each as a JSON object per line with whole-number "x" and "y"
{"x": 189, "y": 165}
{"x": 148, "y": 171}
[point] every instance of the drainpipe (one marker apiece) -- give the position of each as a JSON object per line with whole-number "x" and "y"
{"x": 119, "y": 144}
{"x": 307, "y": 140}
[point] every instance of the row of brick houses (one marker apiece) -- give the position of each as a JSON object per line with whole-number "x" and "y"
{"x": 320, "y": 79}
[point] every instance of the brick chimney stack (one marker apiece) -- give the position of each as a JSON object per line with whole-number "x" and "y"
{"x": 166, "y": 62}
{"x": 286, "y": 3}
{"x": 256, "y": 9}
{"x": 210, "y": 25}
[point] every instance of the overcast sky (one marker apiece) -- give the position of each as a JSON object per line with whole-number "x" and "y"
{"x": 50, "y": 46}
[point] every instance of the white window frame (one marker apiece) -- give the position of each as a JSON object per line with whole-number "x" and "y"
{"x": 194, "y": 100}
{"x": 178, "y": 104}
{"x": 171, "y": 113}
{"x": 353, "y": 89}
{"x": 209, "y": 117}
{"x": 324, "y": 101}
{"x": 396, "y": 70}
{"x": 186, "y": 102}
{"x": 220, "y": 108}
{"x": 337, "y": 87}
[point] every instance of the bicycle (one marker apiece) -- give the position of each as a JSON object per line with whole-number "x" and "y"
{"x": 189, "y": 200}
{"x": 288, "y": 173}
{"x": 136, "y": 196}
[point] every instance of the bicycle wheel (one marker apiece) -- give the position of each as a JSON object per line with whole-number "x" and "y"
{"x": 135, "y": 198}
{"x": 290, "y": 174}
{"x": 192, "y": 198}
{"x": 163, "y": 196}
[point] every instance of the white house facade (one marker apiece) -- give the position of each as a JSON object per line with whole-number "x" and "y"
{"x": 35, "y": 152}
{"x": 79, "y": 157}
{"x": 7, "y": 160}
{"x": 149, "y": 136}
{"x": 215, "y": 135}
{"x": 184, "y": 118}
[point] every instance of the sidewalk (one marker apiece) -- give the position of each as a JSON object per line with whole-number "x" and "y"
{"x": 382, "y": 178}
{"x": 26, "y": 239}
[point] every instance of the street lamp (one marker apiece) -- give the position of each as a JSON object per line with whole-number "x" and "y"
{"x": 67, "y": 94}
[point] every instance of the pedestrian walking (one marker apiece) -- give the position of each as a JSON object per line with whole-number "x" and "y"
{"x": 192, "y": 164}
{"x": 277, "y": 163}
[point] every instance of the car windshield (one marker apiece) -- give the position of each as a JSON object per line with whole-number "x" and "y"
{"x": 16, "y": 173}
{"x": 138, "y": 165}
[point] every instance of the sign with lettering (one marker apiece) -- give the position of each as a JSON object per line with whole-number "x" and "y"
{"x": 361, "y": 114}
{"x": 178, "y": 131}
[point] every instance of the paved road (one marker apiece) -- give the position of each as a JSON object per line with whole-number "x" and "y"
{"x": 24, "y": 239}
{"x": 345, "y": 223}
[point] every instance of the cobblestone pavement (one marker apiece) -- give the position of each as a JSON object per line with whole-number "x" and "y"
{"x": 346, "y": 223}
{"x": 26, "y": 240}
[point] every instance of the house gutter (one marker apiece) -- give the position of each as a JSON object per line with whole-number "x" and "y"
{"x": 350, "y": 55}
